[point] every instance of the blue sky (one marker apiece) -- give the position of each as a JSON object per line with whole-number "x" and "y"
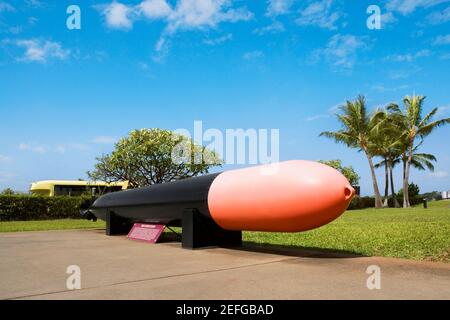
{"x": 67, "y": 95}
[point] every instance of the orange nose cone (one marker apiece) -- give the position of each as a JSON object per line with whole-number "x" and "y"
{"x": 287, "y": 196}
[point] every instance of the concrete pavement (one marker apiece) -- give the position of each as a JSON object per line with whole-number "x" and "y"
{"x": 33, "y": 266}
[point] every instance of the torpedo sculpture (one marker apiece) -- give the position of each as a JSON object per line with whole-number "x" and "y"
{"x": 214, "y": 209}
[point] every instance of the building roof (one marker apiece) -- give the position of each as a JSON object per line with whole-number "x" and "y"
{"x": 47, "y": 184}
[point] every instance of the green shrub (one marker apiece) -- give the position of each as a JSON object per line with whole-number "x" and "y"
{"x": 361, "y": 203}
{"x": 369, "y": 202}
{"x": 26, "y": 207}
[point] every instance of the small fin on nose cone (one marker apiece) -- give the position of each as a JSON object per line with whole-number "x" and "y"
{"x": 349, "y": 192}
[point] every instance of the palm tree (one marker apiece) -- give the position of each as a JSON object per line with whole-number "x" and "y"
{"x": 358, "y": 131}
{"x": 386, "y": 145}
{"x": 412, "y": 125}
{"x": 420, "y": 161}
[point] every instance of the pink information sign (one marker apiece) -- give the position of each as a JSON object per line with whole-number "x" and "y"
{"x": 146, "y": 232}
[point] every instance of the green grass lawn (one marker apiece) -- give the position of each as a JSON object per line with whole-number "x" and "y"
{"x": 416, "y": 233}
{"x": 13, "y": 226}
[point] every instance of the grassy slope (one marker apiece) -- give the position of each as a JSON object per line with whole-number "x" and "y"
{"x": 413, "y": 233}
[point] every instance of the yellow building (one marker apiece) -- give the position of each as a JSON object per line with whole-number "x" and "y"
{"x": 75, "y": 188}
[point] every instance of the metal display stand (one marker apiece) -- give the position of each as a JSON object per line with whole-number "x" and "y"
{"x": 199, "y": 231}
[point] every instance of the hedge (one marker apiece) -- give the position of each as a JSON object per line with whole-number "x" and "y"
{"x": 27, "y": 207}
{"x": 369, "y": 202}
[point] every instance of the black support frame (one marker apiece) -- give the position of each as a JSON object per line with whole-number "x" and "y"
{"x": 199, "y": 231}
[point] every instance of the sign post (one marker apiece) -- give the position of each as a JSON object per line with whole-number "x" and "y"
{"x": 146, "y": 232}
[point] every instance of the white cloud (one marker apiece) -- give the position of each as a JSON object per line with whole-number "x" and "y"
{"x": 253, "y": 55}
{"x": 34, "y": 148}
{"x": 278, "y": 7}
{"x": 439, "y": 17}
{"x": 219, "y": 40}
{"x": 34, "y": 3}
{"x": 439, "y": 174}
{"x": 155, "y": 9}
{"x": 320, "y": 14}
{"x": 382, "y": 88}
{"x": 198, "y": 14}
{"x": 341, "y": 50}
{"x": 331, "y": 111}
{"x": 185, "y": 15}
{"x": 104, "y": 140}
{"x": 317, "y": 117}
{"x": 5, "y": 176}
{"x": 443, "y": 111}
{"x": 40, "y": 51}
{"x": 59, "y": 148}
{"x": 117, "y": 15}
{"x": 387, "y": 18}
{"x": 274, "y": 27}
{"x": 62, "y": 148}
{"x": 409, "y": 57}
{"x": 406, "y": 7}
{"x": 403, "y": 73}
{"x": 4, "y": 158}
{"x": 441, "y": 40}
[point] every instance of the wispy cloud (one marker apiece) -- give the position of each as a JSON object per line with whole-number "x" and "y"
{"x": 34, "y": 3}
{"x": 319, "y": 14}
{"x": 442, "y": 40}
{"x": 184, "y": 15}
{"x": 387, "y": 18}
{"x": 104, "y": 140}
{"x": 6, "y": 7}
{"x": 252, "y": 55}
{"x": 278, "y": 7}
{"x": 59, "y": 148}
{"x": 274, "y": 27}
{"x": 4, "y": 158}
{"x": 202, "y": 14}
{"x": 443, "y": 111}
{"x": 406, "y": 7}
{"x": 37, "y": 50}
{"x": 439, "y": 17}
{"x": 34, "y": 148}
{"x": 403, "y": 73}
{"x": 330, "y": 112}
{"x": 382, "y": 88}
{"x": 341, "y": 51}
{"x": 409, "y": 57}
{"x": 219, "y": 40}
{"x": 317, "y": 117}
{"x": 5, "y": 176}
{"x": 64, "y": 147}
{"x": 439, "y": 174}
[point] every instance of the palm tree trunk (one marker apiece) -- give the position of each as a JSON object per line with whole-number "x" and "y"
{"x": 404, "y": 183}
{"x": 386, "y": 186}
{"x": 408, "y": 166}
{"x": 378, "y": 202}
{"x": 394, "y": 197}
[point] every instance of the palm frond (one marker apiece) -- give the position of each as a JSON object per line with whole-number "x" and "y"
{"x": 427, "y": 129}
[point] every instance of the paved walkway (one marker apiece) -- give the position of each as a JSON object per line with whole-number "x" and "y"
{"x": 33, "y": 266}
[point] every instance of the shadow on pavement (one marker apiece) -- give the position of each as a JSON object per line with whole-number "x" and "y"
{"x": 297, "y": 251}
